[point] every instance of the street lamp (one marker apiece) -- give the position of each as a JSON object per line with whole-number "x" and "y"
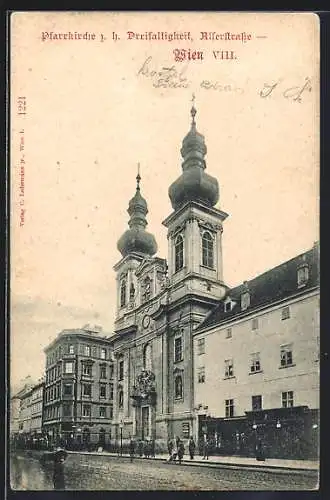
{"x": 121, "y": 436}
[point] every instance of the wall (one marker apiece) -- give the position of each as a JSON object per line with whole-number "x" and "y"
{"x": 301, "y": 329}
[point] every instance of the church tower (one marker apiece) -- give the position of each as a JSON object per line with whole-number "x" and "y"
{"x": 195, "y": 274}
{"x": 195, "y": 226}
{"x": 135, "y": 245}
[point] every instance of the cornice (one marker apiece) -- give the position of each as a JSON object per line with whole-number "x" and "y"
{"x": 194, "y": 204}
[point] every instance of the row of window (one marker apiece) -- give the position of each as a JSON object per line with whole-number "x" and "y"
{"x": 53, "y": 393}
{"x": 286, "y": 360}
{"x": 53, "y": 373}
{"x": 84, "y": 349}
{"x": 36, "y": 407}
{"x": 229, "y": 332}
{"x": 87, "y": 390}
{"x": 256, "y": 403}
{"x": 87, "y": 369}
{"x": 54, "y": 411}
{"x": 207, "y": 251}
{"x": 285, "y": 314}
{"x": 37, "y": 394}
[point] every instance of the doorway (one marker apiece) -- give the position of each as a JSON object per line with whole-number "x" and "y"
{"x": 145, "y": 421}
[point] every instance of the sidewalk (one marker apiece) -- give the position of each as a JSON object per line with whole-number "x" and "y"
{"x": 227, "y": 461}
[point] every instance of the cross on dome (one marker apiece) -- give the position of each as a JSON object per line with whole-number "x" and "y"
{"x": 193, "y": 110}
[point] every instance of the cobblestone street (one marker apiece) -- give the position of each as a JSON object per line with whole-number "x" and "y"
{"x": 83, "y": 472}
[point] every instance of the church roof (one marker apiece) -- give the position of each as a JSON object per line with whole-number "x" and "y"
{"x": 136, "y": 239}
{"x": 276, "y": 284}
{"x": 194, "y": 183}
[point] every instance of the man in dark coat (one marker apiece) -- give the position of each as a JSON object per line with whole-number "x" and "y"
{"x": 152, "y": 448}
{"x": 170, "y": 447}
{"x": 58, "y": 476}
{"x": 191, "y": 447}
{"x": 180, "y": 450}
{"x": 260, "y": 454}
{"x": 131, "y": 448}
{"x": 205, "y": 449}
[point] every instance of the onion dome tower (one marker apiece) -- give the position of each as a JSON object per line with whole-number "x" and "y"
{"x": 136, "y": 239}
{"x": 194, "y": 184}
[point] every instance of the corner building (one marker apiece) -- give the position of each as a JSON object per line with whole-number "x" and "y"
{"x": 160, "y": 303}
{"x": 78, "y": 392}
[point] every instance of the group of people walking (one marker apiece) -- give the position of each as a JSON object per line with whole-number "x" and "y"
{"x": 142, "y": 448}
{"x": 176, "y": 449}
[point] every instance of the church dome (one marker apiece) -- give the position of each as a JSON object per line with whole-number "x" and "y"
{"x": 136, "y": 239}
{"x": 194, "y": 184}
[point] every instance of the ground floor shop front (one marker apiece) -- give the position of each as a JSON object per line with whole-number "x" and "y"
{"x": 288, "y": 433}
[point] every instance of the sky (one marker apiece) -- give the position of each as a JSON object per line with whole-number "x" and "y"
{"x": 94, "y": 110}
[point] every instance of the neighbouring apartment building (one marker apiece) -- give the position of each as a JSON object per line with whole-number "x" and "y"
{"x": 256, "y": 359}
{"x": 14, "y": 416}
{"x": 78, "y": 395}
{"x": 26, "y": 412}
{"x": 36, "y": 403}
{"x": 24, "y": 422}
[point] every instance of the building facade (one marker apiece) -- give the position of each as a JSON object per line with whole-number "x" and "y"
{"x": 14, "y": 416}
{"x": 24, "y": 421}
{"x": 36, "y": 403}
{"x": 26, "y": 414}
{"x": 256, "y": 359}
{"x": 78, "y": 394}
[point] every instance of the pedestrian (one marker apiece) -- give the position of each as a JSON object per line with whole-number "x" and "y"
{"x": 205, "y": 449}
{"x": 58, "y": 475}
{"x": 141, "y": 448}
{"x": 170, "y": 447}
{"x": 180, "y": 451}
{"x": 260, "y": 455}
{"x": 174, "y": 453}
{"x": 131, "y": 449}
{"x": 146, "y": 449}
{"x": 191, "y": 447}
{"x": 152, "y": 448}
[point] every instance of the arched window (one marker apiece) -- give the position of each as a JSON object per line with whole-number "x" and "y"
{"x": 147, "y": 365}
{"x": 178, "y": 387}
{"x": 122, "y": 293}
{"x": 207, "y": 249}
{"x": 178, "y": 253}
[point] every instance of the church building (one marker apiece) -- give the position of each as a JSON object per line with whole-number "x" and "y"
{"x": 160, "y": 302}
